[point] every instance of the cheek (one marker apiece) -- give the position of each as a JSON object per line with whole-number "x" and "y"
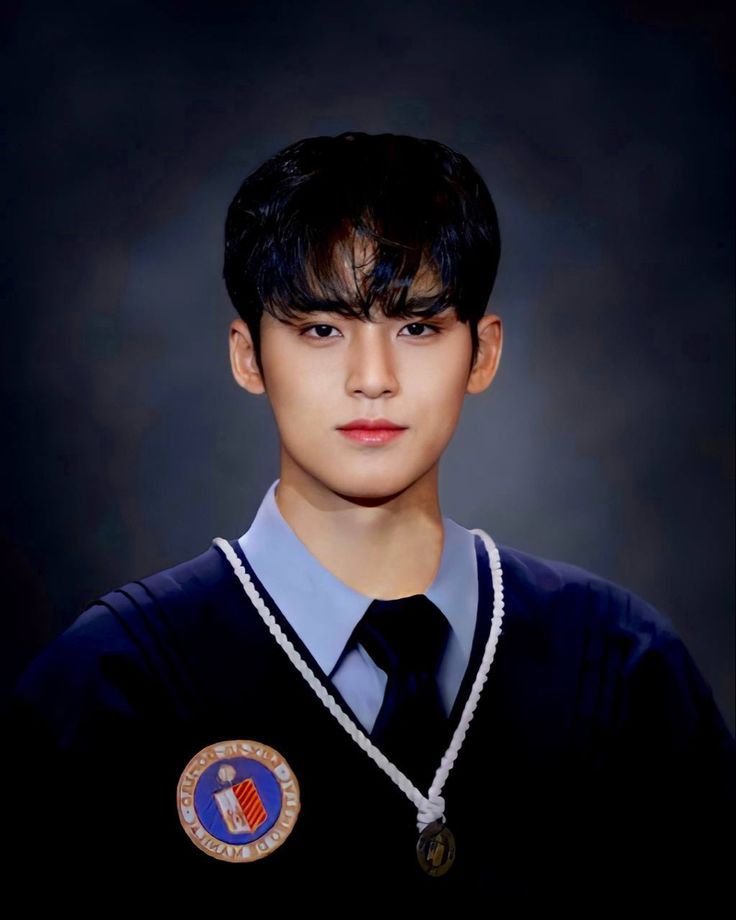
{"x": 443, "y": 396}
{"x": 440, "y": 385}
{"x": 300, "y": 398}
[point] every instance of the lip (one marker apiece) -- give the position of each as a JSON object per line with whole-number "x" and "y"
{"x": 374, "y": 436}
{"x": 372, "y": 431}
{"x": 372, "y": 424}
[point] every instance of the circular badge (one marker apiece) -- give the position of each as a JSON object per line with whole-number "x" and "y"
{"x": 238, "y": 800}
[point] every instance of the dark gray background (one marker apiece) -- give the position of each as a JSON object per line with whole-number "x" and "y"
{"x": 605, "y": 133}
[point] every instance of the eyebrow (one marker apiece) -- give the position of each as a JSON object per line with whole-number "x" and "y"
{"x": 425, "y": 306}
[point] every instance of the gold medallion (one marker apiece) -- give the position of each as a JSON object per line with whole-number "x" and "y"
{"x": 436, "y": 848}
{"x": 238, "y": 800}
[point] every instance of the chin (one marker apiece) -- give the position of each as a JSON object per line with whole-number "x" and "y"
{"x": 376, "y": 487}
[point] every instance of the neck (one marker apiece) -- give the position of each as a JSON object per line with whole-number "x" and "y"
{"x": 384, "y": 547}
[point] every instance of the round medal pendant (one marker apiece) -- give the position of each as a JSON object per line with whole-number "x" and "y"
{"x": 436, "y": 848}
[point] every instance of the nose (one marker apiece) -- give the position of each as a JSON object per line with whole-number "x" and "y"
{"x": 371, "y": 362}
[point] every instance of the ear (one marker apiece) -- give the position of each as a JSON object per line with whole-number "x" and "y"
{"x": 490, "y": 344}
{"x": 243, "y": 358}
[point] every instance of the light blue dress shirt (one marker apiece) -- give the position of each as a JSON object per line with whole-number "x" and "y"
{"x": 324, "y": 611}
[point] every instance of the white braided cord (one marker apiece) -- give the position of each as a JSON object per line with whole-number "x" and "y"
{"x": 432, "y": 806}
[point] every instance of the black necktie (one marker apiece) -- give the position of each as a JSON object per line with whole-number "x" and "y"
{"x": 406, "y": 638}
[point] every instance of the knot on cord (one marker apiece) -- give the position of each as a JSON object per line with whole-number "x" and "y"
{"x": 433, "y": 809}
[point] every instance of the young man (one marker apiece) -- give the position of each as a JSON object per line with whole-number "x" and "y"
{"x": 361, "y": 697}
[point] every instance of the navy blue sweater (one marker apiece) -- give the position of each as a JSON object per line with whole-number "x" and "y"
{"x": 597, "y": 771}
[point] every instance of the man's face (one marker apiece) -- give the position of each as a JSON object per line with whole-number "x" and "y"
{"x": 323, "y": 371}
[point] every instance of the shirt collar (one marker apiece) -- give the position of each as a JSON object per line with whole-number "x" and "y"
{"x": 323, "y": 610}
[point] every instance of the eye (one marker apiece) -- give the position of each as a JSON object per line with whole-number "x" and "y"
{"x": 320, "y": 326}
{"x": 435, "y": 329}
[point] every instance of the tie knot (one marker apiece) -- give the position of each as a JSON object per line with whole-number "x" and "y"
{"x": 407, "y": 635}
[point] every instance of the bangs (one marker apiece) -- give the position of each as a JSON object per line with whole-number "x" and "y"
{"x": 349, "y": 268}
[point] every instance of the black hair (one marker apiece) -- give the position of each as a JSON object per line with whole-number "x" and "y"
{"x": 418, "y": 201}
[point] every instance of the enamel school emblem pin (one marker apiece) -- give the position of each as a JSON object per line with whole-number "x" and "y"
{"x": 238, "y": 800}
